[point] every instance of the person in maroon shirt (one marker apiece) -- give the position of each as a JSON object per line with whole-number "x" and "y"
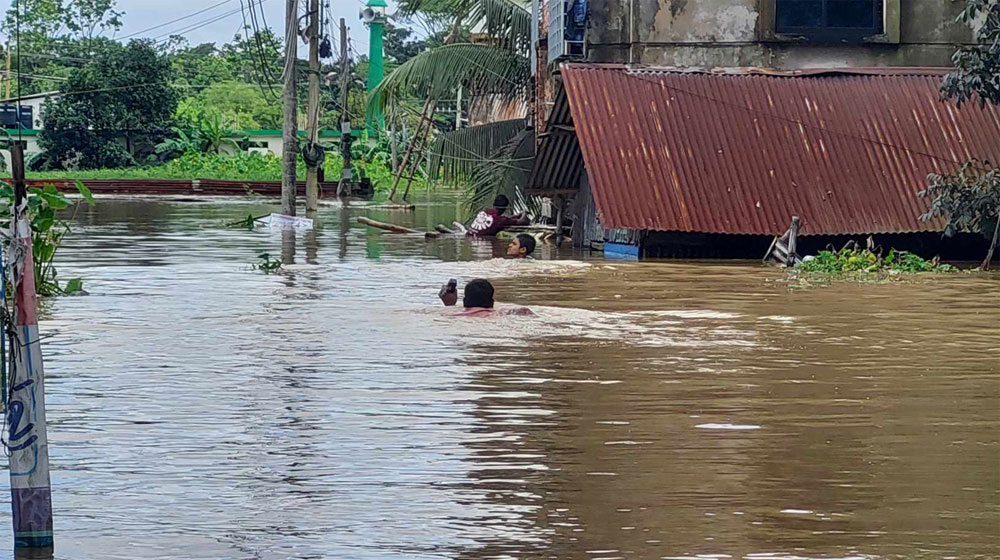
{"x": 492, "y": 221}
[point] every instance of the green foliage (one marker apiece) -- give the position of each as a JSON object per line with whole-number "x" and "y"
{"x": 438, "y": 73}
{"x": 47, "y": 18}
{"x": 47, "y": 232}
{"x": 267, "y": 265}
{"x": 850, "y": 260}
{"x": 209, "y": 134}
{"x": 125, "y": 91}
{"x": 247, "y": 223}
{"x": 969, "y": 200}
{"x": 242, "y": 106}
{"x": 113, "y": 155}
{"x": 242, "y": 166}
{"x": 977, "y": 67}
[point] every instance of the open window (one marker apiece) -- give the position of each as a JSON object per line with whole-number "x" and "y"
{"x": 831, "y": 21}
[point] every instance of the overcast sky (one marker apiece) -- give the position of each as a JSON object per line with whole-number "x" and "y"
{"x": 219, "y": 20}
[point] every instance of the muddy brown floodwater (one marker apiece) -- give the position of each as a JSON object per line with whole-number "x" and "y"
{"x": 199, "y": 409}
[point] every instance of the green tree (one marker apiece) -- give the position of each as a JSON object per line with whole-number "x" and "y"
{"x": 56, "y": 36}
{"x": 125, "y": 93}
{"x": 242, "y": 105}
{"x": 970, "y": 199}
{"x": 977, "y": 67}
{"x": 496, "y": 68}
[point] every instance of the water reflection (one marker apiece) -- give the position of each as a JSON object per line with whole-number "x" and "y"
{"x": 201, "y": 409}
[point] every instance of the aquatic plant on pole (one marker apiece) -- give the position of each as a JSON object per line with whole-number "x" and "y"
{"x": 27, "y": 442}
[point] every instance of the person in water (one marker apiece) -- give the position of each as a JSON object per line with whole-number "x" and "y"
{"x": 521, "y": 246}
{"x": 491, "y": 221}
{"x": 477, "y": 299}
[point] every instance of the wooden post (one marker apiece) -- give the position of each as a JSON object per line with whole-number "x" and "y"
{"x": 7, "y": 93}
{"x": 993, "y": 246}
{"x": 312, "y": 125}
{"x": 560, "y": 205}
{"x": 346, "y": 175}
{"x": 793, "y": 233}
{"x": 27, "y": 441}
{"x": 290, "y": 124}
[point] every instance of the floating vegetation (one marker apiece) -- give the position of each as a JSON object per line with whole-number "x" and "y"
{"x": 266, "y": 264}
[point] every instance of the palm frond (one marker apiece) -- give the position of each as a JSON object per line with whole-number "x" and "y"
{"x": 506, "y": 172}
{"x": 437, "y": 74}
{"x": 456, "y": 154}
{"x": 507, "y": 21}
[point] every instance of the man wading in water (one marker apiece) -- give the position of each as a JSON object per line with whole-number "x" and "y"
{"x": 477, "y": 300}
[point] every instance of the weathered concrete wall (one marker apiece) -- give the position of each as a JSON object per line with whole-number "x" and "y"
{"x": 728, "y": 33}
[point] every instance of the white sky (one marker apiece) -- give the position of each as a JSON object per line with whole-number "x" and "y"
{"x": 222, "y": 19}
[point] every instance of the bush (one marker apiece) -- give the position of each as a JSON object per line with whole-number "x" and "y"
{"x": 113, "y": 155}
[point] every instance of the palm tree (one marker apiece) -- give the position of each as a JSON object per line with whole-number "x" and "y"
{"x": 497, "y": 69}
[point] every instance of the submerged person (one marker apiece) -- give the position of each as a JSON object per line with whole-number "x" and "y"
{"x": 490, "y": 221}
{"x": 477, "y": 299}
{"x": 521, "y": 247}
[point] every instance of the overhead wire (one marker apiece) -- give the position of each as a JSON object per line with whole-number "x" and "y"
{"x": 257, "y": 59}
{"x": 203, "y": 23}
{"x": 182, "y": 18}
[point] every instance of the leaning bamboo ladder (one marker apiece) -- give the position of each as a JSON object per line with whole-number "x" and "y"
{"x": 411, "y": 164}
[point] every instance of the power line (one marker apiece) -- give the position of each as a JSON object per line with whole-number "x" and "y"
{"x": 203, "y": 23}
{"x": 257, "y": 56}
{"x": 182, "y": 18}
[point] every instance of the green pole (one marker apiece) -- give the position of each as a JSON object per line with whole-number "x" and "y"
{"x": 376, "y": 64}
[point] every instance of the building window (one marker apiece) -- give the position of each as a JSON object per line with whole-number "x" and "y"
{"x": 830, "y": 20}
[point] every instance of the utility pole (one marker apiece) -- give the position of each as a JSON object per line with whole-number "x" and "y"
{"x": 345, "y": 118}
{"x": 312, "y": 171}
{"x": 27, "y": 440}
{"x": 290, "y": 128}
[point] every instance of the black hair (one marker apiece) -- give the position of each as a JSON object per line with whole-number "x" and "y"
{"x": 501, "y": 202}
{"x": 527, "y": 242}
{"x": 478, "y": 293}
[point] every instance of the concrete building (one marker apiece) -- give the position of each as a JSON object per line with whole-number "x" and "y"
{"x": 783, "y": 34}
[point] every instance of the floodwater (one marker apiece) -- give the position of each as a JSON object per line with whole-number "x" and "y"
{"x": 200, "y": 409}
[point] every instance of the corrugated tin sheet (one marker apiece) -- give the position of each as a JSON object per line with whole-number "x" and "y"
{"x": 559, "y": 163}
{"x": 731, "y": 152}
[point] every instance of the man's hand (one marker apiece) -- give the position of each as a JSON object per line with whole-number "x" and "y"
{"x": 449, "y": 294}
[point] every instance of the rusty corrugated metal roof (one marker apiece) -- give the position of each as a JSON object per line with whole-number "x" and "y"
{"x": 729, "y": 152}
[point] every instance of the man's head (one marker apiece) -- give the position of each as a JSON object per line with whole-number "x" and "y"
{"x": 501, "y": 203}
{"x": 478, "y": 293}
{"x": 521, "y": 246}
